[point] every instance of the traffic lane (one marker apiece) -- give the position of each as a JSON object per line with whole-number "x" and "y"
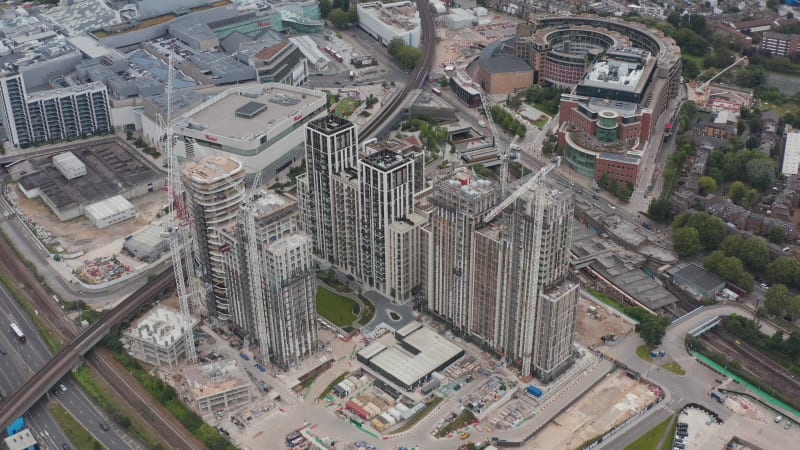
{"x": 87, "y": 414}
{"x": 44, "y": 427}
{"x": 29, "y": 357}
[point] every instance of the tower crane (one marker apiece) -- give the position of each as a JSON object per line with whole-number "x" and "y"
{"x": 503, "y": 151}
{"x": 700, "y": 89}
{"x": 179, "y": 241}
{"x": 255, "y": 271}
{"x": 532, "y": 183}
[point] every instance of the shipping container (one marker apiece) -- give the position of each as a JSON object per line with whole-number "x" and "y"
{"x": 535, "y": 391}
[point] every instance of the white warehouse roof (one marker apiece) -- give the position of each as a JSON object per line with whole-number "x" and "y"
{"x": 68, "y": 160}
{"x": 108, "y": 207}
{"x": 791, "y": 154}
{"x": 434, "y": 351}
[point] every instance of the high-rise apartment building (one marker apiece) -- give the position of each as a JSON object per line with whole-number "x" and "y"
{"x": 288, "y": 286}
{"x": 331, "y": 148}
{"x": 214, "y": 188}
{"x": 504, "y": 284}
{"x": 54, "y": 114}
{"x": 386, "y": 182}
{"x": 459, "y": 204}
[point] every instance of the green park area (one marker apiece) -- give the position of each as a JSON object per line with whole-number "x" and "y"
{"x": 335, "y": 307}
{"x": 346, "y": 106}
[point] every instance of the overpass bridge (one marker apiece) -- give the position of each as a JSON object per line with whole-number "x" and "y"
{"x": 36, "y": 386}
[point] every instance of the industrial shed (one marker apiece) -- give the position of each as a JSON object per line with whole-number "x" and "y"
{"x": 423, "y": 353}
{"x": 110, "y": 211}
{"x": 69, "y": 165}
{"x": 147, "y": 245}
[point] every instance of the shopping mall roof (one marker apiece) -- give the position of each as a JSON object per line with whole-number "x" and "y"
{"x": 218, "y": 116}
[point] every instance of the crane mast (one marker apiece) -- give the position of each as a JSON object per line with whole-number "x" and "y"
{"x": 179, "y": 242}
{"x": 534, "y": 182}
{"x": 255, "y": 271}
{"x": 503, "y": 151}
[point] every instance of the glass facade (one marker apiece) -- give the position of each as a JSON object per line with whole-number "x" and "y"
{"x": 579, "y": 160}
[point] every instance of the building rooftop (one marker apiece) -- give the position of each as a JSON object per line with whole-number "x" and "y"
{"x": 620, "y": 74}
{"x": 214, "y": 378}
{"x": 211, "y": 168}
{"x": 465, "y": 82}
{"x": 791, "y": 154}
{"x": 698, "y": 276}
{"x": 268, "y": 201}
{"x": 330, "y": 124}
{"x": 218, "y": 116}
{"x": 161, "y": 326}
{"x": 466, "y": 183}
{"x": 84, "y": 16}
{"x": 496, "y": 60}
{"x": 400, "y": 15}
{"x": 21, "y": 441}
{"x": 108, "y": 207}
{"x": 432, "y": 352}
{"x": 385, "y": 160}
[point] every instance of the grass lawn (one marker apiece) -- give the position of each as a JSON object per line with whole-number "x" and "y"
{"x": 643, "y": 351}
{"x": 335, "y": 307}
{"x": 674, "y": 367}
{"x": 76, "y": 433}
{"x": 667, "y": 444}
{"x": 346, "y": 106}
{"x": 539, "y": 123}
{"x": 649, "y": 440}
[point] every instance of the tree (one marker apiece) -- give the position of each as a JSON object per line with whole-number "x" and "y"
{"x": 736, "y": 191}
{"x": 784, "y": 270}
{"x": 777, "y": 299}
{"x": 325, "y": 8}
{"x": 652, "y": 330}
{"x": 760, "y": 173}
{"x": 659, "y": 211}
{"x": 352, "y": 14}
{"x": 776, "y": 234}
{"x": 710, "y": 229}
{"x": 707, "y": 185}
{"x": 339, "y": 18}
{"x": 754, "y": 254}
{"x": 750, "y": 197}
{"x": 686, "y": 242}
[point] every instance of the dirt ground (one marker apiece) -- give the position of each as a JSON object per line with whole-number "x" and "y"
{"x": 80, "y": 233}
{"x": 591, "y": 329}
{"x": 454, "y": 48}
{"x": 592, "y": 416}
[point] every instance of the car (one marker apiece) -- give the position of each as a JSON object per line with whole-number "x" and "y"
{"x": 2, "y": 351}
{"x": 63, "y": 388}
{"x": 764, "y": 285}
{"x": 788, "y": 425}
{"x": 316, "y": 401}
{"x": 56, "y": 392}
{"x": 104, "y": 426}
{"x": 778, "y": 419}
{"x": 785, "y": 249}
{"x": 65, "y": 446}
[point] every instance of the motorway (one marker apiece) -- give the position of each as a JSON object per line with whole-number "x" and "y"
{"x": 20, "y": 363}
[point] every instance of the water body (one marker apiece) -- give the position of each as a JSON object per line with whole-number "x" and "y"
{"x": 787, "y": 84}
{"x": 159, "y": 69}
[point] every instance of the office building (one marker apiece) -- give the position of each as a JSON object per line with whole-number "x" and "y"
{"x": 779, "y": 44}
{"x": 52, "y": 115}
{"x": 288, "y": 289}
{"x": 214, "y": 188}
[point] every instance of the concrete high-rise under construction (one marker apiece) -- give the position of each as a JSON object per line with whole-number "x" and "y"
{"x": 214, "y": 188}
{"x": 505, "y": 284}
{"x": 287, "y": 281}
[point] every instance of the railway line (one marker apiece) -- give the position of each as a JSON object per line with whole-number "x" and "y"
{"x": 753, "y": 361}
{"x": 50, "y": 312}
{"x": 418, "y": 75}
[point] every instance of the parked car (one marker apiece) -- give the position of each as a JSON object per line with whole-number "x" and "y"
{"x": 104, "y": 426}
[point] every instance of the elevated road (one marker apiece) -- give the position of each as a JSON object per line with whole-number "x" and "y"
{"x": 418, "y": 75}
{"x": 61, "y": 364}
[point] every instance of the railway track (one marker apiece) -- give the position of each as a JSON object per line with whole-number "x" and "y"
{"x": 168, "y": 428}
{"x": 418, "y": 75}
{"x": 755, "y": 362}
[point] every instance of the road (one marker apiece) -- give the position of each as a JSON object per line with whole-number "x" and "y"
{"x": 693, "y": 387}
{"x": 23, "y": 360}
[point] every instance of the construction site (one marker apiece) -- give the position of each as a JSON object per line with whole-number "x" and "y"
{"x": 457, "y": 47}
{"x": 611, "y": 402}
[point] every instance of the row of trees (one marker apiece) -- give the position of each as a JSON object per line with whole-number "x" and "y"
{"x": 748, "y": 330}
{"x": 430, "y": 134}
{"x": 696, "y": 232}
{"x": 506, "y": 120}
{"x": 406, "y": 55}
{"x": 622, "y": 191}
{"x": 778, "y": 301}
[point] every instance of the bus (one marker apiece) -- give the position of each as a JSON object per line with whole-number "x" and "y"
{"x": 18, "y": 332}
{"x": 437, "y": 92}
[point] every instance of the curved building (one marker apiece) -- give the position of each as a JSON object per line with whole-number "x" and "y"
{"x": 500, "y": 71}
